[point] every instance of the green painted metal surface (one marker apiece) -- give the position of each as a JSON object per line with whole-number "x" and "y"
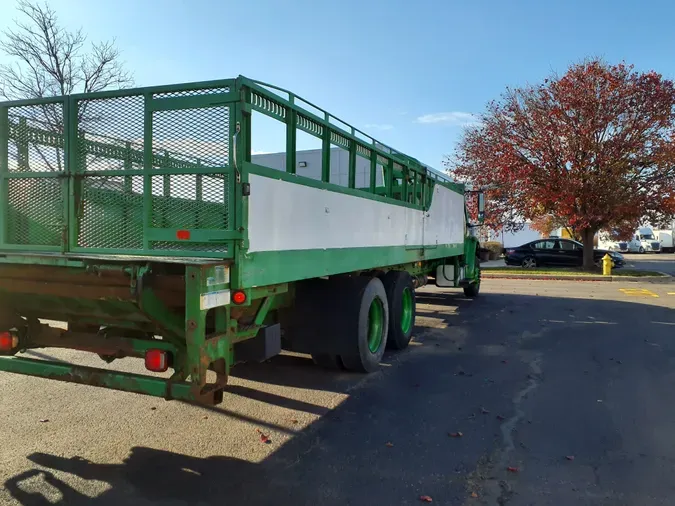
{"x": 406, "y": 310}
{"x": 128, "y": 382}
{"x": 99, "y": 193}
{"x": 375, "y": 325}
{"x": 152, "y": 171}
{"x": 269, "y": 267}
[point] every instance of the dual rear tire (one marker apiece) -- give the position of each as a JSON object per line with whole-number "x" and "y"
{"x": 369, "y": 315}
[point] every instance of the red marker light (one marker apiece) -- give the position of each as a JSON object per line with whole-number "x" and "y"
{"x": 239, "y": 297}
{"x": 8, "y": 341}
{"x": 156, "y": 360}
{"x": 182, "y": 235}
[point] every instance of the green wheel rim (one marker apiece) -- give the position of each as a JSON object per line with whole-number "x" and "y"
{"x": 406, "y": 310}
{"x": 375, "y": 325}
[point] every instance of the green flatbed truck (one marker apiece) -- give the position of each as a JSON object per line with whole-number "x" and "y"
{"x": 141, "y": 219}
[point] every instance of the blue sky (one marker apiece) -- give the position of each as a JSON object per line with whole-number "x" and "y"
{"x": 408, "y": 73}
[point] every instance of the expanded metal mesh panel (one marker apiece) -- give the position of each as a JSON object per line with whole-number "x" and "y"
{"x": 177, "y": 246}
{"x": 192, "y": 93}
{"x": 36, "y": 141}
{"x": 35, "y": 211}
{"x": 191, "y": 138}
{"x": 190, "y": 201}
{"x": 111, "y": 214}
{"x": 110, "y": 133}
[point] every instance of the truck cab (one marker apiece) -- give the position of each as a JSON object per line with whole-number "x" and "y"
{"x": 645, "y": 241}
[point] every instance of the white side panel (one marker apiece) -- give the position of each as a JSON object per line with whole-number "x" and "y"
{"x": 289, "y": 216}
{"x": 445, "y": 219}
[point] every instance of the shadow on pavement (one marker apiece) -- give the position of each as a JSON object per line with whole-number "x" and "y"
{"x": 388, "y": 442}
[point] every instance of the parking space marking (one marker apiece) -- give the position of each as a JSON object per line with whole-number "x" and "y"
{"x": 637, "y": 292}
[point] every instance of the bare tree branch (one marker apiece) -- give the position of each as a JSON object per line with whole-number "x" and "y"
{"x": 49, "y": 60}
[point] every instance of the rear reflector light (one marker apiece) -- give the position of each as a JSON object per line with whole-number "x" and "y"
{"x": 156, "y": 360}
{"x": 239, "y": 297}
{"x": 8, "y": 341}
{"x": 183, "y": 235}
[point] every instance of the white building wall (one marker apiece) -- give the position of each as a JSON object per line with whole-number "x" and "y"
{"x": 308, "y": 164}
{"x": 513, "y": 239}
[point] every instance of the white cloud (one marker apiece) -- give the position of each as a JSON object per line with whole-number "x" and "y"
{"x": 456, "y": 118}
{"x": 374, "y": 126}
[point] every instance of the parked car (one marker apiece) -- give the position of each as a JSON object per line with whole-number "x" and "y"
{"x": 556, "y": 252}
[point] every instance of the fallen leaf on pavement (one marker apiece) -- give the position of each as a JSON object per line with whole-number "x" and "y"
{"x": 456, "y": 434}
{"x": 570, "y": 457}
{"x": 484, "y": 411}
{"x": 389, "y": 444}
{"x": 512, "y": 469}
{"x": 263, "y": 437}
{"x": 474, "y": 494}
{"x": 426, "y": 498}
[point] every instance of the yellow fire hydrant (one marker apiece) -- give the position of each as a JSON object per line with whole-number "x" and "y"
{"x": 607, "y": 265}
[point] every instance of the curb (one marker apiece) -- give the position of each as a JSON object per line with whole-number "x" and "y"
{"x": 664, "y": 278}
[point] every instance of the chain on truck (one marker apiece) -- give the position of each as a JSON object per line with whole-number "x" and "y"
{"x": 142, "y": 222}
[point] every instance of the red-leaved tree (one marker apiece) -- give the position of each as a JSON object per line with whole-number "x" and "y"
{"x": 594, "y": 149}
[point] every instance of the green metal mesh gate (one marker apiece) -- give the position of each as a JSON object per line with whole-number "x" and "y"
{"x": 131, "y": 172}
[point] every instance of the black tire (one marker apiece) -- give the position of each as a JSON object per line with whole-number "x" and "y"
{"x": 472, "y": 290}
{"x": 528, "y": 259}
{"x": 327, "y": 361}
{"x": 641, "y": 250}
{"x": 396, "y": 285}
{"x": 358, "y": 299}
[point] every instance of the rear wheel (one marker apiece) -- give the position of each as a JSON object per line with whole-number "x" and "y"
{"x": 341, "y": 322}
{"x": 402, "y": 308}
{"x": 473, "y": 289}
{"x": 367, "y": 319}
{"x": 529, "y": 263}
{"x": 326, "y": 360}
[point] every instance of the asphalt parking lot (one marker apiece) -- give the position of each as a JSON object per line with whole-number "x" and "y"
{"x": 534, "y": 393}
{"x": 662, "y": 262}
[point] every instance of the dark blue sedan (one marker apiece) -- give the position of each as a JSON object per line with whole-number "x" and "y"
{"x": 556, "y": 252}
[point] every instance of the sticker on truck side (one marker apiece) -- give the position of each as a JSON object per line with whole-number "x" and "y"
{"x": 221, "y": 275}
{"x": 210, "y": 300}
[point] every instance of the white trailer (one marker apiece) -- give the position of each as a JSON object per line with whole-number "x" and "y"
{"x": 665, "y": 237}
